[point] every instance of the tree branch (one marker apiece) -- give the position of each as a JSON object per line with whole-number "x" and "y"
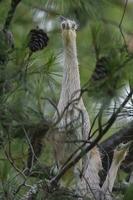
{"x": 14, "y": 4}
{"x": 107, "y": 147}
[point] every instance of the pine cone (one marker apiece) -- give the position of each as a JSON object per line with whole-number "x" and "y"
{"x": 100, "y": 71}
{"x": 38, "y": 39}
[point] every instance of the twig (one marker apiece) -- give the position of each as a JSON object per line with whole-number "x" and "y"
{"x": 120, "y": 24}
{"x": 31, "y": 148}
{"x": 11, "y": 12}
{"x": 13, "y": 164}
{"x": 14, "y": 4}
{"x": 33, "y": 191}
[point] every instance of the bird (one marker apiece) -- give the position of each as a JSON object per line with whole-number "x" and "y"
{"x": 72, "y": 116}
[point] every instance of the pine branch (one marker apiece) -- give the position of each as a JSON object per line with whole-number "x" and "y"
{"x": 120, "y": 25}
{"x": 11, "y": 12}
{"x": 123, "y": 135}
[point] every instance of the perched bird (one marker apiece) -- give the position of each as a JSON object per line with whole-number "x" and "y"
{"x": 73, "y": 118}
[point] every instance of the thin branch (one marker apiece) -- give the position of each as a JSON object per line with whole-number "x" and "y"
{"x": 120, "y": 24}
{"x": 31, "y": 148}
{"x": 11, "y": 12}
{"x": 13, "y": 164}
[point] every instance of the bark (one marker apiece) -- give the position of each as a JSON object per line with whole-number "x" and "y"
{"x": 107, "y": 147}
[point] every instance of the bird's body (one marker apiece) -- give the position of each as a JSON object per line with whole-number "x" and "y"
{"x": 73, "y": 119}
{"x": 71, "y": 107}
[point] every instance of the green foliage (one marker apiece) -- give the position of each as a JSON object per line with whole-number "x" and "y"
{"x": 129, "y": 193}
{"x": 30, "y": 83}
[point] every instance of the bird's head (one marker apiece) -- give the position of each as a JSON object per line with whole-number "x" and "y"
{"x": 68, "y": 28}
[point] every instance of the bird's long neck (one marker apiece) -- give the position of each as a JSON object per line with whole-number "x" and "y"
{"x": 71, "y": 79}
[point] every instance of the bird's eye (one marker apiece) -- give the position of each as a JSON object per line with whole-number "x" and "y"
{"x": 73, "y": 26}
{"x": 63, "y": 25}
